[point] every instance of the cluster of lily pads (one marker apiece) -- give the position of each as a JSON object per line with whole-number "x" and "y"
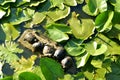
{"x": 89, "y": 30}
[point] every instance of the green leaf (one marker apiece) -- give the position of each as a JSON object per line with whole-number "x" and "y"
{"x": 29, "y": 76}
{"x": 51, "y": 69}
{"x": 81, "y": 31}
{"x": 117, "y": 7}
{"x": 36, "y": 3}
{"x": 114, "y": 32}
{"x": 21, "y": 2}
{"x": 113, "y": 47}
{"x": 116, "y": 18}
{"x": 20, "y": 15}
{"x": 38, "y": 18}
{"x": 70, "y": 3}
{"x": 95, "y": 49}
{"x": 80, "y": 1}
{"x": 57, "y": 32}
{"x": 3, "y": 2}
{"x": 67, "y": 77}
{"x": 93, "y": 7}
{"x": 73, "y": 49}
{"x": 23, "y": 64}
{"x": 58, "y": 14}
{"x": 97, "y": 61}
{"x": 10, "y": 31}
{"x": 115, "y": 73}
{"x": 100, "y": 74}
{"x": 58, "y": 3}
{"x": 2, "y": 13}
{"x": 103, "y": 21}
{"x": 37, "y": 70}
{"x": 7, "y": 78}
{"x": 82, "y": 60}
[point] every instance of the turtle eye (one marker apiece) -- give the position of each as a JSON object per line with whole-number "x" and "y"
{"x": 38, "y": 46}
{"x": 59, "y": 53}
{"x": 67, "y": 62}
{"x": 30, "y": 38}
{"x": 48, "y": 50}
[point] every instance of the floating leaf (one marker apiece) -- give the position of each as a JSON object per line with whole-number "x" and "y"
{"x": 100, "y": 74}
{"x": 114, "y": 32}
{"x": 51, "y": 69}
{"x": 73, "y": 48}
{"x": 96, "y": 49}
{"x": 117, "y": 7}
{"x": 20, "y": 15}
{"x": 38, "y": 18}
{"x": 3, "y": 2}
{"x": 29, "y": 76}
{"x": 82, "y": 60}
{"x": 58, "y": 3}
{"x": 97, "y": 61}
{"x": 70, "y": 3}
{"x": 21, "y": 2}
{"x": 112, "y": 47}
{"x": 103, "y": 21}
{"x": 10, "y": 31}
{"x": 57, "y": 32}
{"x": 58, "y": 14}
{"x": 93, "y": 7}
{"x": 67, "y": 77}
{"x": 81, "y": 30}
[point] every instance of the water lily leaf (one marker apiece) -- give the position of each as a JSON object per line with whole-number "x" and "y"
{"x": 58, "y": 3}
{"x": 100, "y": 74}
{"x": 114, "y": 32}
{"x": 117, "y": 7}
{"x": 51, "y": 69}
{"x": 80, "y": 1}
{"x": 57, "y": 32}
{"x": 20, "y": 15}
{"x": 116, "y": 18}
{"x": 81, "y": 30}
{"x": 38, "y": 18}
{"x": 58, "y": 14}
{"x": 3, "y": 2}
{"x": 115, "y": 71}
{"x": 67, "y": 77}
{"x": 73, "y": 49}
{"x": 10, "y": 31}
{"x": 21, "y": 2}
{"x": 2, "y": 13}
{"x": 36, "y": 3}
{"x": 97, "y": 61}
{"x": 93, "y": 7}
{"x": 70, "y": 3}
{"x": 29, "y": 76}
{"x": 103, "y": 21}
{"x": 82, "y": 60}
{"x": 113, "y": 47}
{"x": 96, "y": 49}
